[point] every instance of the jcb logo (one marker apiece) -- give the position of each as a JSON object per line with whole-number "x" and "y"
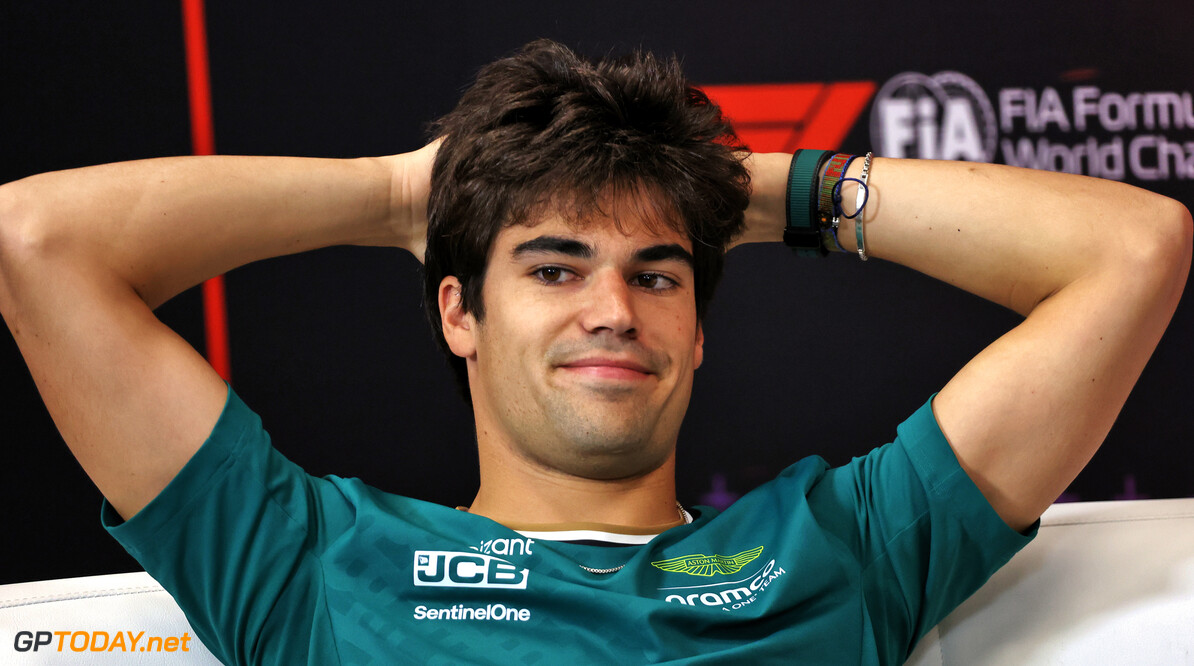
{"x": 446, "y": 568}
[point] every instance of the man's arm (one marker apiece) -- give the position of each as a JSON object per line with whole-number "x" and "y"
{"x": 1097, "y": 267}
{"x": 86, "y": 254}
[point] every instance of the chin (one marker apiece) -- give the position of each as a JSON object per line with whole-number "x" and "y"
{"x": 598, "y": 440}
{"x": 611, "y": 459}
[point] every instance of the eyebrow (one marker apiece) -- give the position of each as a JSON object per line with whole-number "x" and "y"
{"x": 581, "y": 250}
{"x": 553, "y": 245}
{"x": 670, "y": 251}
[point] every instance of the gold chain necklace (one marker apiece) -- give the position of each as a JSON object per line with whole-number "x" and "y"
{"x": 685, "y": 518}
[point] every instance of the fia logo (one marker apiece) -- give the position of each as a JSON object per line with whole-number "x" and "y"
{"x": 446, "y": 568}
{"x": 946, "y": 116}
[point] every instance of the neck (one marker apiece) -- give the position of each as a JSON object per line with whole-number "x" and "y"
{"x": 516, "y": 492}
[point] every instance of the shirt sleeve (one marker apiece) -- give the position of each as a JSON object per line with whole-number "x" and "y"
{"x": 924, "y": 535}
{"x": 235, "y": 539}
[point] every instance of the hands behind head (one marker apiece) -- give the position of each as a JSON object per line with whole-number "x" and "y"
{"x": 409, "y": 192}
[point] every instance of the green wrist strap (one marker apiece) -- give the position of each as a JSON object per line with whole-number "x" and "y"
{"x": 803, "y": 231}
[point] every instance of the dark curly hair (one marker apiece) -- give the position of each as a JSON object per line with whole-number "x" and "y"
{"x": 548, "y": 128}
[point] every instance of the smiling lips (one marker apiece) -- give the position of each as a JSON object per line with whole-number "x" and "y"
{"x": 608, "y": 368}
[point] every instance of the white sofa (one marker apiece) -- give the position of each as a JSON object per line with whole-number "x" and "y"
{"x": 1103, "y": 583}
{"x": 93, "y": 610}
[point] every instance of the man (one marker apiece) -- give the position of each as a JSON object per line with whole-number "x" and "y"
{"x": 577, "y": 218}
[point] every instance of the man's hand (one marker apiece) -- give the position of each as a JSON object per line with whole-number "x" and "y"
{"x": 767, "y": 213}
{"x": 408, "y": 202}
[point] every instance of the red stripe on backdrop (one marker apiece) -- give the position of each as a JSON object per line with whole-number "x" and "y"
{"x": 774, "y": 117}
{"x": 843, "y": 104}
{"x": 198, "y": 81}
{"x": 203, "y": 142}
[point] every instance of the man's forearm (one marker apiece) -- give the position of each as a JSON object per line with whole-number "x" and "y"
{"x": 1013, "y": 236}
{"x": 164, "y": 225}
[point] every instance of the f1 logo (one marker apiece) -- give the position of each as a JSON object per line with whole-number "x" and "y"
{"x": 781, "y": 117}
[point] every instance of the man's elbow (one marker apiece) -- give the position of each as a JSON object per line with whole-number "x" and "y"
{"x": 15, "y": 236}
{"x": 1180, "y": 230}
{"x": 1177, "y": 230}
{"x": 26, "y": 243}
{"x": 1162, "y": 245}
{"x": 23, "y": 228}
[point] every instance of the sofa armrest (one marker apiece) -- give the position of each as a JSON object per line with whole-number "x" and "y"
{"x": 114, "y": 619}
{"x": 1103, "y": 583}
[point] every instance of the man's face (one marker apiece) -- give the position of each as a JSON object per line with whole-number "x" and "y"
{"x": 584, "y": 361}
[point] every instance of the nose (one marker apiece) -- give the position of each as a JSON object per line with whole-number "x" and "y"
{"x": 609, "y": 304}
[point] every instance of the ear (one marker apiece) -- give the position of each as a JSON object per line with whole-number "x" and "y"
{"x": 698, "y": 351}
{"x": 458, "y": 326}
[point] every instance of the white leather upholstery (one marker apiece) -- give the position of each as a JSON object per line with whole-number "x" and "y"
{"x": 102, "y": 606}
{"x": 1103, "y": 583}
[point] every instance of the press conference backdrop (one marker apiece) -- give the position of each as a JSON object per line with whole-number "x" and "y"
{"x": 802, "y": 356}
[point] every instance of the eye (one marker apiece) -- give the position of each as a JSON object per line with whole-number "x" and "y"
{"x": 552, "y": 274}
{"x": 653, "y": 281}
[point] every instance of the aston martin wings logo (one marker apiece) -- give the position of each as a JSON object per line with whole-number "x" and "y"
{"x": 707, "y": 565}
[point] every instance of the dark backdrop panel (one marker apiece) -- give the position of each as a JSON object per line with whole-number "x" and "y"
{"x": 802, "y": 357}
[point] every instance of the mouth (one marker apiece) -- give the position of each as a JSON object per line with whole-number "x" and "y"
{"x": 608, "y": 368}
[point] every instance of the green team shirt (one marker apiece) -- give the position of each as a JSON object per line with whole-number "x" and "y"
{"x": 850, "y": 565}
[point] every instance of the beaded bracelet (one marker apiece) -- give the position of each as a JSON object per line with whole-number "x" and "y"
{"x": 835, "y": 168}
{"x": 830, "y": 225}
